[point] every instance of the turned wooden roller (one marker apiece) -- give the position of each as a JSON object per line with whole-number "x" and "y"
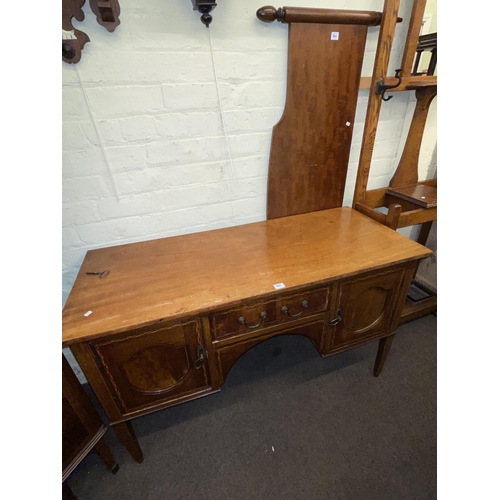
{"x": 268, "y": 14}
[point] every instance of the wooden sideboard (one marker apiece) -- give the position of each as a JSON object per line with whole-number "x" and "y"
{"x": 174, "y": 314}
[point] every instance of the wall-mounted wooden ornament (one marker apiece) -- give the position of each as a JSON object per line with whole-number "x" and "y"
{"x": 73, "y": 40}
{"x": 107, "y": 12}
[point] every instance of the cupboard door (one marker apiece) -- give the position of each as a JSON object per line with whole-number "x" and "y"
{"x": 366, "y": 306}
{"x": 150, "y": 367}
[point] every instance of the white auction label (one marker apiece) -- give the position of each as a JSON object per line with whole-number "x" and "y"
{"x": 279, "y": 285}
{"x": 335, "y": 35}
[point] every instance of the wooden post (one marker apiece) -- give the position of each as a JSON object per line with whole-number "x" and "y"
{"x": 407, "y": 171}
{"x": 386, "y": 35}
{"x": 417, "y": 16}
{"x": 392, "y": 218}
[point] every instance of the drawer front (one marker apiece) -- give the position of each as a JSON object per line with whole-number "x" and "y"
{"x": 300, "y": 305}
{"x": 366, "y": 305}
{"x": 267, "y": 313}
{"x": 244, "y": 319}
{"x": 155, "y": 365}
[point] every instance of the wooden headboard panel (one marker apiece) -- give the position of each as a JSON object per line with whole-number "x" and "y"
{"x": 311, "y": 143}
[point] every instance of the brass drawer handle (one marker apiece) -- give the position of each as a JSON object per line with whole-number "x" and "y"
{"x": 202, "y": 357}
{"x": 242, "y": 320}
{"x": 284, "y": 309}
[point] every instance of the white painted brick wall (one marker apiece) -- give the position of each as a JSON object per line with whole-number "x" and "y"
{"x": 152, "y": 92}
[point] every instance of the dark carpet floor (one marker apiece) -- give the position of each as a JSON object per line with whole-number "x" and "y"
{"x": 290, "y": 425}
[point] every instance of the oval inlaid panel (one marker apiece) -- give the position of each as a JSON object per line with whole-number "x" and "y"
{"x": 360, "y": 319}
{"x": 157, "y": 369}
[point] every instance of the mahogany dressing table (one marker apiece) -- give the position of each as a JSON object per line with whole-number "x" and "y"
{"x": 173, "y": 315}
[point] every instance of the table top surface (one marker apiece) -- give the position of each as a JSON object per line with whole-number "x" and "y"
{"x": 182, "y": 276}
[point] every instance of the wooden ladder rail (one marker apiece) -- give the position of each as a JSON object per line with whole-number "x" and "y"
{"x": 402, "y": 211}
{"x": 417, "y": 16}
{"x": 384, "y": 45}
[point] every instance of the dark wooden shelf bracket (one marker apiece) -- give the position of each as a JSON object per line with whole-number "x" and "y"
{"x": 73, "y": 40}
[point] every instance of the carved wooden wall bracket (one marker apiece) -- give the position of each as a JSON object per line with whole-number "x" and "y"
{"x": 107, "y": 12}
{"x": 73, "y": 40}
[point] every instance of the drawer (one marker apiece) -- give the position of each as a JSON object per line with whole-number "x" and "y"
{"x": 261, "y": 314}
{"x": 244, "y": 319}
{"x": 300, "y": 305}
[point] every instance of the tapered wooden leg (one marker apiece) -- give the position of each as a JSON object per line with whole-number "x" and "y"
{"x": 129, "y": 440}
{"x": 425, "y": 229}
{"x": 102, "y": 449}
{"x": 384, "y": 347}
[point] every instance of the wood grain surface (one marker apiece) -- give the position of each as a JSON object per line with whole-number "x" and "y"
{"x": 407, "y": 171}
{"x": 414, "y": 27}
{"x": 311, "y": 143}
{"x": 268, "y": 14}
{"x": 331, "y": 16}
{"x": 418, "y": 194}
{"x": 184, "y": 275}
{"x": 407, "y": 82}
{"x": 384, "y": 45}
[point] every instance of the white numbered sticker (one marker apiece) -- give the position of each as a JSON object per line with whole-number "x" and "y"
{"x": 279, "y": 285}
{"x": 335, "y": 35}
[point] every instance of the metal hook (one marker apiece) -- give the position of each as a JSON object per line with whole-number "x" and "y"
{"x": 382, "y": 88}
